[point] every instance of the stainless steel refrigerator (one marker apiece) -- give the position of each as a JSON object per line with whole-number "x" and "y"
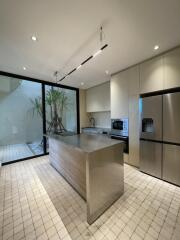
{"x": 160, "y": 136}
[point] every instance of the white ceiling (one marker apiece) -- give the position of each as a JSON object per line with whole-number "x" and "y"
{"x": 68, "y": 32}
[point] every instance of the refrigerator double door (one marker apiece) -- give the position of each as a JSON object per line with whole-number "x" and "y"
{"x": 152, "y": 118}
{"x": 171, "y": 163}
{"x": 171, "y": 138}
{"x": 151, "y": 136}
{"x": 151, "y": 158}
{"x": 171, "y": 118}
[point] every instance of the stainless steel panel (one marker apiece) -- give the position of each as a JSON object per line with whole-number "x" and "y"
{"x": 151, "y": 158}
{"x": 122, "y": 129}
{"x": 171, "y": 163}
{"x": 171, "y": 117}
{"x": 95, "y": 169}
{"x": 152, "y": 109}
{"x": 70, "y": 162}
{"x": 104, "y": 180}
{"x": 85, "y": 142}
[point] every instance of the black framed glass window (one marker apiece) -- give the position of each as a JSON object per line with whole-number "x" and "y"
{"x": 29, "y": 109}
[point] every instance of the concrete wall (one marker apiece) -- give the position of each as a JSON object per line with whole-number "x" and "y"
{"x": 70, "y": 114}
{"x": 17, "y": 123}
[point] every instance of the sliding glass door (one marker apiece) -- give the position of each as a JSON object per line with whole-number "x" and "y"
{"x": 29, "y": 109}
{"x": 61, "y": 111}
{"x": 21, "y": 131}
{"x": 61, "y": 114}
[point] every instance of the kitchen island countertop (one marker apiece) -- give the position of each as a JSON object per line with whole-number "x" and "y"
{"x": 93, "y": 165}
{"x": 86, "y": 142}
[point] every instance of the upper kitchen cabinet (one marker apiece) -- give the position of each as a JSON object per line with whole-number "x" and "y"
{"x": 98, "y": 98}
{"x": 123, "y": 85}
{"x": 119, "y": 95}
{"x": 172, "y": 69}
{"x": 151, "y": 75}
{"x": 132, "y": 75}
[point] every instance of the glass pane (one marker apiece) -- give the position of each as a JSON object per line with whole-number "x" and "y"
{"x": 61, "y": 113}
{"x": 21, "y": 131}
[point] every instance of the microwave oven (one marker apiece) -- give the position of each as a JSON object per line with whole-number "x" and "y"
{"x": 119, "y": 127}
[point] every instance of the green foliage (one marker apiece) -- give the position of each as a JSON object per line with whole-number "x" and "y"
{"x": 37, "y": 106}
{"x": 56, "y": 101}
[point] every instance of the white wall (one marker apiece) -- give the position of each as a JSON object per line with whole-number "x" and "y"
{"x": 17, "y": 124}
{"x": 70, "y": 114}
{"x": 102, "y": 119}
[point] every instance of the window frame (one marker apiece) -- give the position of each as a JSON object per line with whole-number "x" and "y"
{"x": 43, "y": 85}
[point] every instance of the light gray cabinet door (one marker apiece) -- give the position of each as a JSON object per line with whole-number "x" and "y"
{"x": 98, "y": 98}
{"x": 171, "y": 117}
{"x": 133, "y": 80}
{"x": 151, "y": 158}
{"x": 134, "y": 131}
{"x": 123, "y": 85}
{"x": 119, "y": 96}
{"x": 171, "y": 163}
{"x": 172, "y": 69}
{"x": 151, "y": 75}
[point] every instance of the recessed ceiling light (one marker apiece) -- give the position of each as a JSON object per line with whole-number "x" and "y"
{"x": 107, "y": 72}
{"x": 24, "y": 68}
{"x": 82, "y": 84}
{"x": 34, "y": 38}
{"x": 156, "y": 47}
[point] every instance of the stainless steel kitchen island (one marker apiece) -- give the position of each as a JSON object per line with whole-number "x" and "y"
{"x": 93, "y": 165}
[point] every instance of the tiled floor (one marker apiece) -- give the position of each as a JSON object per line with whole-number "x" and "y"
{"x": 36, "y": 147}
{"x": 18, "y": 151}
{"x": 37, "y": 203}
{"x": 15, "y": 151}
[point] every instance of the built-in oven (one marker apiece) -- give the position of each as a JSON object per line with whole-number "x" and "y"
{"x": 119, "y": 127}
{"x": 120, "y": 131}
{"x": 125, "y": 139}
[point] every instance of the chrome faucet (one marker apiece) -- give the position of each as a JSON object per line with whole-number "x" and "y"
{"x": 92, "y": 121}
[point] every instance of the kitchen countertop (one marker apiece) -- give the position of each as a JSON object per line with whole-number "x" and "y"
{"x": 103, "y": 128}
{"x": 86, "y": 142}
{"x": 93, "y": 164}
{"x": 96, "y": 129}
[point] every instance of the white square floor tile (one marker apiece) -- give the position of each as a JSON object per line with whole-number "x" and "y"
{"x": 37, "y": 203}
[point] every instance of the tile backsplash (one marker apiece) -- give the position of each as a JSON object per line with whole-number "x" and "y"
{"x": 102, "y": 119}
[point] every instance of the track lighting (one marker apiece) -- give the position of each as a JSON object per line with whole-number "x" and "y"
{"x": 102, "y": 35}
{"x": 85, "y": 61}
